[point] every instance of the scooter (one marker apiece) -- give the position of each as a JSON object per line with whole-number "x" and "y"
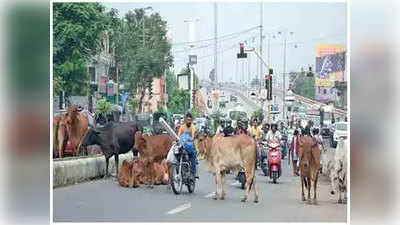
{"x": 274, "y": 161}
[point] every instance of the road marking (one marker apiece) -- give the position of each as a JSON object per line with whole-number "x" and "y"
{"x": 180, "y": 208}
{"x": 210, "y": 195}
{"x": 235, "y": 183}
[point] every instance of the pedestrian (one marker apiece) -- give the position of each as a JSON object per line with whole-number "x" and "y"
{"x": 294, "y": 152}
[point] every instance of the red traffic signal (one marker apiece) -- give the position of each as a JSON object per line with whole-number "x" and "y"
{"x": 241, "y": 53}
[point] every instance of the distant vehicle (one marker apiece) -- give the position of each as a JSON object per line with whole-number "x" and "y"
{"x": 158, "y": 128}
{"x": 176, "y": 118}
{"x": 326, "y": 120}
{"x": 199, "y": 123}
{"x": 340, "y": 131}
{"x": 233, "y": 98}
{"x": 236, "y": 114}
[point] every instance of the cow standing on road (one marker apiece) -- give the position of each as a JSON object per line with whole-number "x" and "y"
{"x": 309, "y": 157}
{"x": 338, "y": 173}
{"x": 77, "y": 126}
{"x": 114, "y": 139}
{"x": 229, "y": 153}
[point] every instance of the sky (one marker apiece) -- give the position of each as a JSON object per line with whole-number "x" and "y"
{"x": 311, "y": 23}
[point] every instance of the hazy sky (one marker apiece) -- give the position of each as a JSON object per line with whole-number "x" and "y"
{"x": 311, "y": 23}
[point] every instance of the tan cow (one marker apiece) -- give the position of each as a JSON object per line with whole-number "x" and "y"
{"x": 309, "y": 163}
{"x": 77, "y": 126}
{"x": 229, "y": 153}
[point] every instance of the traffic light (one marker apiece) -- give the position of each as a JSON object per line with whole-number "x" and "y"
{"x": 269, "y": 97}
{"x": 150, "y": 87}
{"x": 269, "y": 85}
{"x": 241, "y": 53}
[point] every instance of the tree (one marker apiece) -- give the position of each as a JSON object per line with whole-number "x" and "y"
{"x": 76, "y": 28}
{"x": 142, "y": 50}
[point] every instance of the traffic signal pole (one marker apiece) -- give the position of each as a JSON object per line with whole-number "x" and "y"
{"x": 265, "y": 64}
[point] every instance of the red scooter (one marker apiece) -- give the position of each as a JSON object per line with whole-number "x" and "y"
{"x": 274, "y": 161}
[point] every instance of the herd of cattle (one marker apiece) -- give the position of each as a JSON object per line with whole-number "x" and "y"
{"x": 221, "y": 154}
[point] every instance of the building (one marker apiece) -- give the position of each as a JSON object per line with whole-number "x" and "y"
{"x": 330, "y": 74}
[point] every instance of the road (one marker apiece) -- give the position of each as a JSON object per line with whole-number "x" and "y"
{"x": 105, "y": 201}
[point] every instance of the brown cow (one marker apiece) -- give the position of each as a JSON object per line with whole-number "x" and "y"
{"x": 131, "y": 173}
{"x": 161, "y": 172}
{"x": 153, "y": 149}
{"x": 229, "y": 153}
{"x": 77, "y": 126}
{"x": 309, "y": 157}
{"x": 60, "y": 135}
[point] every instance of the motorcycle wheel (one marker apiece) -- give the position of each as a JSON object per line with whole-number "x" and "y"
{"x": 274, "y": 176}
{"x": 191, "y": 185}
{"x": 264, "y": 168}
{"x": 242, "y": 180}
{"x": 176, "y": 179}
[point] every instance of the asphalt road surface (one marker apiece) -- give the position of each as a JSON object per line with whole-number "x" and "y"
{"x": 105, "y": 201}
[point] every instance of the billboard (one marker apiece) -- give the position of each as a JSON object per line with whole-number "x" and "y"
{"x": 329, "y": 67}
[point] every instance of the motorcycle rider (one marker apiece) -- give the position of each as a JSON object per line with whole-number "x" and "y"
{"x": 189, "y": 128}
{"x": 228, "y": 130}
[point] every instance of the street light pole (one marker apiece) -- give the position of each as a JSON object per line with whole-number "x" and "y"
{"x": 284, "y": 76}
{"x": 261, "y": 52}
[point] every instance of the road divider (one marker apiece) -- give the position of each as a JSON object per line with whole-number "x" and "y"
{"x": 72, "y": 171}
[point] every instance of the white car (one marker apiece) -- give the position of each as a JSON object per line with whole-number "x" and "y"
{"x": 340, "y": 132}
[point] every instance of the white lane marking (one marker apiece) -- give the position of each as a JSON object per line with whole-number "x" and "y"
{"x": 235, "y": 183}
{"x": 180, "y": 208}
{"x": 210, "y": 195}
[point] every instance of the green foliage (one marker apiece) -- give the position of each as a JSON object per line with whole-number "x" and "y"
{"x": 178, "y": 101}
{"x": 304, "y": 85}
{"x": 76, "y": 28}
{"x": 103, "y": 106}
{"x": 142, "y": 59}
{"x": 259, "y": 115}
{"x": 196, "y": 112}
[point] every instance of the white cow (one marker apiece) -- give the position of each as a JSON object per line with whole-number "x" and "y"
{"x": 338, "y": 173}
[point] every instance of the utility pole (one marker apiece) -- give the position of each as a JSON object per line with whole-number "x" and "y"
{"x": 215, "y": 42}
{"x": 261, "y": 53}
{"x": 192, "y": 40}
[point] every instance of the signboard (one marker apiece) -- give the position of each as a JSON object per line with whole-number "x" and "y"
{"x": 102, "y": 84}
{"x": 323, "y": 82}
{"x": 192, "y": 59}
{"x": 184, "y": 81}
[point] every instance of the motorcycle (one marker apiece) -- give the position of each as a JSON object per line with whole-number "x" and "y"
{"x": 180, "y": 170}
{"x": 274, "y": 161}
{"x": 180, "y": 164}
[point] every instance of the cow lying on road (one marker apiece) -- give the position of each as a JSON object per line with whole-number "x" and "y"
{"x": 114, "y": 139}
{"x": 132, "y": 173}
{"x": 153, "y": 149}
{"x": 338, "y": 174}
{"x": 229, "y": 153}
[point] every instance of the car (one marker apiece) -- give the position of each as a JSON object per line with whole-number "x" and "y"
{"x": 340, "y": 131}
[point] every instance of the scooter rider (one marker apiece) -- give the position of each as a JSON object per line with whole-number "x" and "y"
{"x": 274, "y": 134}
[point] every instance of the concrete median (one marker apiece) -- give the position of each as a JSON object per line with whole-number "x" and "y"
{"x": 72, "y": 171}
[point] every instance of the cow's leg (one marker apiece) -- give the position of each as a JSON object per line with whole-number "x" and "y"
{"x": 222, "y": 185}
{"x": 116, "y": 157}
{"x": 309, "y": 189}
{"x": 107, "y": 161}
{"x": 255, "y": 190}
{"x": 302, "y": 188}
{"x": 340, "y": 197}
{"x": 249, "y": 179}
{"x": 315, "y": 187}
{"x": 216, "y": 187}
{"x": 218, "y": 175}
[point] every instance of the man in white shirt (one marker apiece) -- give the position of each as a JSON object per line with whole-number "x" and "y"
{"x": 273, "y": 134}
